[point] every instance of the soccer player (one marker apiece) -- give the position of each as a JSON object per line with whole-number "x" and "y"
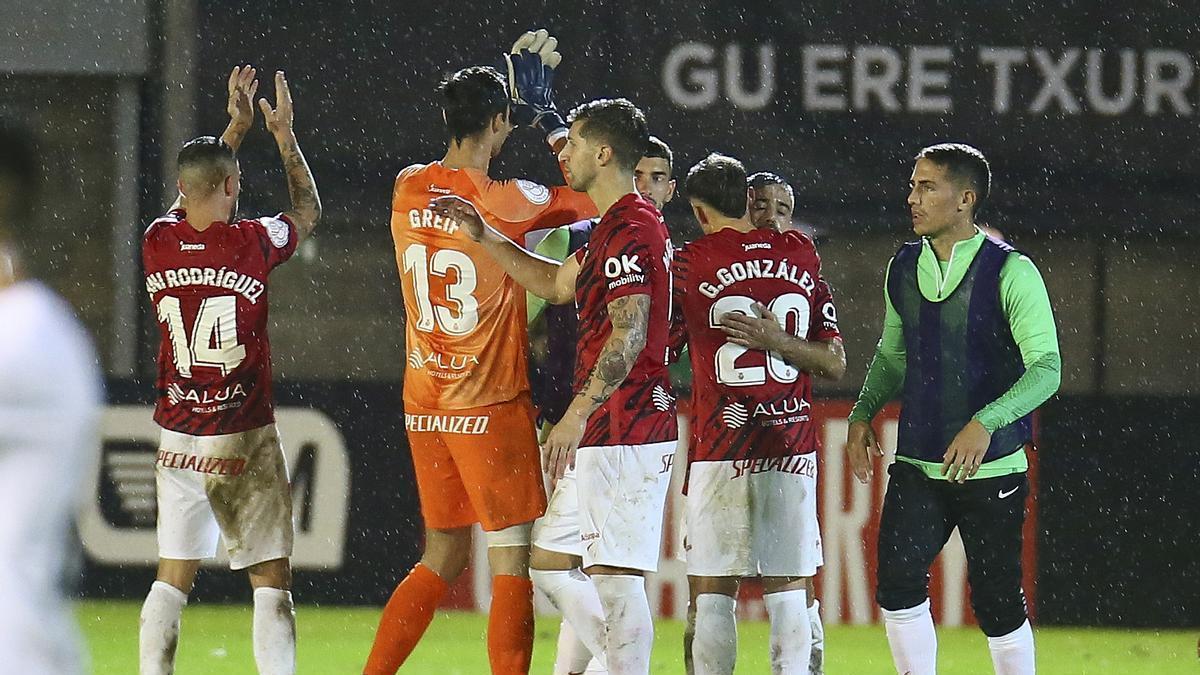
{"x": 220, "y": 468}
{"x": 758, "y": 324}
{"x": 772, "y": 203}
{"x": 552, "y": 394}
{"x": 619, "y": 431}
{"x": 970, "y": 346}
{"x": 48, "y": 440}
{"x": 467, "y": 406}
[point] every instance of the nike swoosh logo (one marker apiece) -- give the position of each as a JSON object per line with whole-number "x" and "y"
{"x": 1004, "y": 494}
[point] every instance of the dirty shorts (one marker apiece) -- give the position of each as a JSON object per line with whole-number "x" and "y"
{"x": 233, "y": 486}
{"x": 609, "y": 509}
{"x": 753, "y": 517}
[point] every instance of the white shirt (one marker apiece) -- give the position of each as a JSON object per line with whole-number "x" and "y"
{"x": 50, "y": 394}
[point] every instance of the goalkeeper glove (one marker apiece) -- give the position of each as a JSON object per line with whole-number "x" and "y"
{"x": 531, "y": 65}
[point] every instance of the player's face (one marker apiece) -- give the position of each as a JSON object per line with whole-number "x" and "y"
{"x": 771, "y": 206}
{"x": 579, "y": 158}
{"x": 935, "y": 199}
{"x": 652, "y": 177}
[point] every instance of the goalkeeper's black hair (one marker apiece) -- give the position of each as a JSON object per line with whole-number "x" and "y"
{"x": 720, "y": 182}
{"x": 963, "y": 162}
{"x": 471, "y": 98}
{"x": 207, "y": 159}
{"x": 619, "y": 124}
{"x": 20, "y": 173}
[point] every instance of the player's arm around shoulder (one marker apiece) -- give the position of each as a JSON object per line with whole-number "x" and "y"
{"x": 305, "y": 210}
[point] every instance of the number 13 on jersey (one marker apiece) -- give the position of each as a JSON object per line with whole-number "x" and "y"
{"x": 460, "y": 319}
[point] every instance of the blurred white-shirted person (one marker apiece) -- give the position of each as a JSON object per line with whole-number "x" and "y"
{"x": 49, "y": 413}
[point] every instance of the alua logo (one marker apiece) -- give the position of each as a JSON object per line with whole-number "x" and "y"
{"x": 786, "y": 407}
{"x": 439, "y": 361}
{"x": 735, "y": 415}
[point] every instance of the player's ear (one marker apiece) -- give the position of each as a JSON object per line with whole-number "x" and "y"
{"x": 670, "y": 191}
{"x": 230, "y": 184}
{"x": 968, "y": 200}
{"x": 604, "y": 154}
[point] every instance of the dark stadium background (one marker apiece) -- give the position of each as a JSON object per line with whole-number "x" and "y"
{"x": 1105, "y": 202}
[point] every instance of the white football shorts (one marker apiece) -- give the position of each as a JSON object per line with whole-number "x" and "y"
{"x": 753, "y": 517}
{"x": 232, "y": 485}
{"x": 609, "y": 508}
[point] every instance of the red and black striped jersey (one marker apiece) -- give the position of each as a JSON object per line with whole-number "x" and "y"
{"x": 209, "y": 293}
{"x": 629, "y": 253}
{"x": 747, "y": 403}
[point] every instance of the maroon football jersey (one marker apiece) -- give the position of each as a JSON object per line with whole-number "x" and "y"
{"x": 747, "y": 403}
{"x": 209, "y": 292}
{"x": 629, "y": 253}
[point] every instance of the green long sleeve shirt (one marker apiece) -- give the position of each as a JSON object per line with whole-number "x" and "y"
{"x": 1026, "y": 305}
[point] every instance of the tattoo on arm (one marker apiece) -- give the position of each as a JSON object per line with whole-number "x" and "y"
{"x": 630, "y": 317}
{"x": 306, "y": 203}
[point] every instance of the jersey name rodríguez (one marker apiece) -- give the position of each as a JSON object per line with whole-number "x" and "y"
{"x": 208, "y": 291}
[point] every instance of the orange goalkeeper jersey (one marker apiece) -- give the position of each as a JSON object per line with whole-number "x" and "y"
{"x": 466, "y": 325}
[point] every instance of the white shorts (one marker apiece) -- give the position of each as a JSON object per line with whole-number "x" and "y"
{"x": 753, "y": 517}
{"x": 231, "y": 485}
{"x": 609, "y": 509}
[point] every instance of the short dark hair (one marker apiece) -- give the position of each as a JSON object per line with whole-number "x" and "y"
{"x": 763, "y": 179}
{"x": 472, "y": 97}
{"x": 657, "y": 148}
{"x": 964, "y": 162}
{"x": 619, "y": 124}
{"x": 210, "y": 158}
{"x": 20, "y": 172}
{"x": 720, "y": 182}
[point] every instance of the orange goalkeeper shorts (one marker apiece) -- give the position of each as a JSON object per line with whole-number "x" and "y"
{"x": 477, "y": 465}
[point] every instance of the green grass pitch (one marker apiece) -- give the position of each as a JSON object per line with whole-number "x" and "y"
{"x": 215, "y": 639}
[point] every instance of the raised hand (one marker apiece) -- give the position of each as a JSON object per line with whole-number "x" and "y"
{"x": 279, "y": 118}
{"x": 531, "y": 64}
{"x": 242, "y": 87}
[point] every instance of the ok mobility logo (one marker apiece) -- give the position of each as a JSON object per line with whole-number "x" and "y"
{"x": 117, "y": 524}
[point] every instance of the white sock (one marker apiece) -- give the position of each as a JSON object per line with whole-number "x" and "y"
{"x": 816, "y": 662}
{"x": 912, "y": 640}
{"x": 630, "y": 628}
{"x": 274, "y": 631}
{"x": 571, "y": 656}
{"x": 573, "y": 593}
{"x": 158, "y": 629}
{"x": 714, "y": 648}
{"x": 791, "y": 633}
{"x": 1012, "y": 654}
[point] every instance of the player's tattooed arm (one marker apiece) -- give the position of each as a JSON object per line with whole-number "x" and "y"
{"x": 630, "y": 317}
{"x": 302, "y": 188}
{"x": 306, "y": 203}
{"x": 825, "y": 359}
